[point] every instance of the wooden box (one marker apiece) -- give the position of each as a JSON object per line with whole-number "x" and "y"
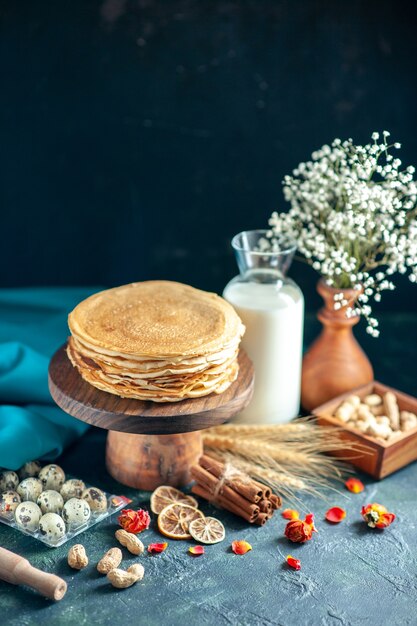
{"x": 378, "y": 458}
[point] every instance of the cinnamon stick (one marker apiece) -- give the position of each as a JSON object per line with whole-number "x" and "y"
{"x": 210, "y": 483}
{"x": 265, "y": 506}
{"x": 224, "y": 503}
{"x": 261, "y": 519}
{"x": 250, "y": 490}
{"x": 275, "y": 501}
{"x": 265, "y": 489}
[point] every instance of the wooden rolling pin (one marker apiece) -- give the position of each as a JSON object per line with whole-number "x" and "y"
{"x": 16, "y": 570}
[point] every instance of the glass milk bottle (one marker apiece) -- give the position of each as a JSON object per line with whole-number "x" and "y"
{"x": 271, "y": 306}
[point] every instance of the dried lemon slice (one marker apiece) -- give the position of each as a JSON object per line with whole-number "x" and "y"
{"x": 207, "y": 530}
{"x": 165, "y": 495}
{"x": 174, "y": 520}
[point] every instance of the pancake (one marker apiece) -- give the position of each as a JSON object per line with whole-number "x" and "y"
{"x": 156, "y": 319}
{"x": 157, "y": 340}
{"x": 200, "y": 387}
{"x": 193, "y": 364}
{"x": 112, "y": 374}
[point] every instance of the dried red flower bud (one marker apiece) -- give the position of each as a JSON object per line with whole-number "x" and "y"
{"x": 377, "y": 516}
{"x": 300, "y": 531}
{"x": 156, "y": 548}
{"x": 134, "y": 521}
{"x": 292, "y": 562}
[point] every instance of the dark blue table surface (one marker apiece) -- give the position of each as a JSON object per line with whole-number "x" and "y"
{"x": 350, "y": 575}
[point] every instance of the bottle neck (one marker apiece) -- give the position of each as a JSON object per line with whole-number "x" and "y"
{"x": 264, "y": 276}
{"x": 263, "y": 266}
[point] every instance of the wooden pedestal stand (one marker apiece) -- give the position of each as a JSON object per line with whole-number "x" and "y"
{"x": 149, "y": 443}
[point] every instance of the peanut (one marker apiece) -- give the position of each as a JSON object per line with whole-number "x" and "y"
{"x": 382, "y": 420}
{"x": 345, "y": 412}
{"x": 376, "y": 416}
{"x": 130, "y": 541}
{"x": 354, "y": 401}
{"x": 379, "y": 431}
{"x": 122, "y": 579}
{"x": 392, "y": 410}
{"x": 378, "y": 410}
{"x": 408, "y": 420}
{"x": 110, "y": 560}
{"x": 77, "y": 557}
{"x": 406, "y": 415}
{"x": 395, "y": 435}
{"x": 362, "y": 426}
{"x": 364, "y": 413}
{"x": 373, "y": 400}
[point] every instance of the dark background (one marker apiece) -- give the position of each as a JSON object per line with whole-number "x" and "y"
{"x": 137, "y": 136}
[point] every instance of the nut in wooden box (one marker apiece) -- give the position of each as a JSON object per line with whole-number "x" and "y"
{"x": 373, "y": 456}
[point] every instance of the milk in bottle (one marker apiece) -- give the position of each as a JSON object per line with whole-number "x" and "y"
{"x": 271, "y": 307}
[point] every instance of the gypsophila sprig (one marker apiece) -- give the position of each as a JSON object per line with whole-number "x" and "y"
{"x": 353, "y": 215}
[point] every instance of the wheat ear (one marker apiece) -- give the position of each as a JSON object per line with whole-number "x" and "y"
{"x": 292, "y": 459}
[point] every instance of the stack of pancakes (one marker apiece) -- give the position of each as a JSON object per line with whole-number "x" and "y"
{"x": 156, "y": 340}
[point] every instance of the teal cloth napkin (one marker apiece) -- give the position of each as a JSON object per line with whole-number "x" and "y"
{"x": 33, "y": 324}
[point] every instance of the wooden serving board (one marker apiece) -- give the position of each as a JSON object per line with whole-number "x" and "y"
{"x": 105, "y": 410}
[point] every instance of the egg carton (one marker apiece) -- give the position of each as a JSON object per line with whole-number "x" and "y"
{"x": 114, "y": 504}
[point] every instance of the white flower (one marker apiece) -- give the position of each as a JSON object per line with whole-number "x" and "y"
{"x": 353, "y": 214}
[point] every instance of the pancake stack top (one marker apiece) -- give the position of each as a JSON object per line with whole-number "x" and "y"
{"x": 156, "y": 340}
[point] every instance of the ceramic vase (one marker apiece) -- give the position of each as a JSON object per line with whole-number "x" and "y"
{"x": 335, "y": 362}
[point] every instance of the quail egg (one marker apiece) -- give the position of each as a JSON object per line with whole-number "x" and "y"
{"x": 9, "y": 500}
{"x": 52, "y": 477}
{"x": 32, "y": 468}
{"x": 76, "y": 512}
{"x": 30, "y": 489}
{"x": 72, "y": 488}
{"x": 52, "y": 526}
{"x": 50, "y": 501}
{"x": 8, "y": 481}
{"x": 96, "y": 499}
{"x": 27, "y": 516}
